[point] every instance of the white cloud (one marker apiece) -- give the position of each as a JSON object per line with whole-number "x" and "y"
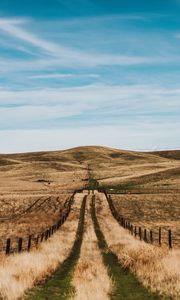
{"x": 28, "y": 108}
{"x": 145, "y": 96}
{"x": 134, "y": 137}
{"x": 25, "y": 115}
{"x": 67, "y": 56}
{"x": 61, "y": 76}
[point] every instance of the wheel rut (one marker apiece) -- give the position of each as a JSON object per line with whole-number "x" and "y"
{"x": 126, "y": 285}
{"x": 91, "y": 280}
{"x": 58, "y": 286}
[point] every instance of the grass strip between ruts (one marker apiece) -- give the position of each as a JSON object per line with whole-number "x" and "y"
{"x": 126, "y": 285}
{"x": 59, "y": 287}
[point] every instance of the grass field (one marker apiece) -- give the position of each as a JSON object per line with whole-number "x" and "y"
{"x": 30, "y": 216}
{"x": 145, "y": 189}
{"x": 33, "y": 190}
{"x": 152, "y": 211}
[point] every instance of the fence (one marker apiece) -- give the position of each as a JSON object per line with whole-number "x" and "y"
{"x": 26, "y": 244}
{"x": 143, "y": 233}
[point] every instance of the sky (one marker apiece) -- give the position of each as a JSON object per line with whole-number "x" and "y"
{"x": 89, "y": 72}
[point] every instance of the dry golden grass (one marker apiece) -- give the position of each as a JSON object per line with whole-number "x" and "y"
{"x": 90, "y": 279}
{"x": 155, "y": 267}
{"x": 41, "y": 172}
{"x": 25, "y": 215}
{"x": 112, "y": 167}
{"x": 152, "y": 211}
{"x": 46, "y": 177}
{"x": 68, "y": 169}
{"x": 25, "y": 177}
{"x": 18, "y": 273}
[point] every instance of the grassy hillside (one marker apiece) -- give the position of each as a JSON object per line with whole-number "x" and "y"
{"x": 172, "y": 154}
{"x": 145, "y": 189}
{"x": 68, "y": 169}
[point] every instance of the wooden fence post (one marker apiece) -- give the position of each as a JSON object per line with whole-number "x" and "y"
{"x": 42, "y": 237}
{"x": 132, "y": 229}
{"x": 129, "y": 226}
{"x": 37, "y": 240}
{"x": 151, "y": 236}
{"x": 46, "y": 235}
{"x": 52, "y": 230}
{"x": 145, "y": 235}
{"x": 170, "y": 238}
{"x": 20, "y": 241}
{"x": 29, "y": 243}
{"x": 159, "y": 236}
{"x": 140, "y": 233}
{"x": 135, "y": 230}
{"x": 8, "y": 246}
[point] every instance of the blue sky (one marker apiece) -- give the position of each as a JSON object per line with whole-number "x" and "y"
{"x": 86, "y": 72}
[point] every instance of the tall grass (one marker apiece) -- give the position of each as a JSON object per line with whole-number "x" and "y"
{"x": 157, "y": 268}
{"x": 18, "y": 273}
{"x": 125, "y": 284}
{"x": 58, "y": 286}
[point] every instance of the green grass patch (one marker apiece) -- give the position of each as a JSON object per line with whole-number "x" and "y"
{"x": 59, "y": 287}
{"x": 93, "y": 184}
{"x": 126, "y": 285}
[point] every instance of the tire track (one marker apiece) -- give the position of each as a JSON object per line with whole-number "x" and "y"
{"x": 59, "y": 286}
{"x": 126, "y": 285}
{"x": 91, "y": 280}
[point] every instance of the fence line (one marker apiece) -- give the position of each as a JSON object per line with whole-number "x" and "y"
{"x": 32, "y": 240}
{"x": 142, "y": 233}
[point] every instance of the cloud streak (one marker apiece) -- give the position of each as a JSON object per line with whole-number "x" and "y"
{"x": 96, "y": 80}
{"x": 67, "y": 55}
{"x": 62, "y": 76}
{"x": 31, "y": 108}
{"x": 134, "y": 137}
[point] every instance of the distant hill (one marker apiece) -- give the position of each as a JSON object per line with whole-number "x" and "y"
{"x": 87, "y": 154}
{"x": 172, "y": 154}
{"x": 111, "y": 167}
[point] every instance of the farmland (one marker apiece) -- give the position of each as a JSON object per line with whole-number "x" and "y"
{"x": 34, "y": 191}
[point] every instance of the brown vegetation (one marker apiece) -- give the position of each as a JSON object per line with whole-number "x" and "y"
{"x": 18, "y": 273}
{"x": 34, "y": 188}
{"x": 155, "y": 267}
{"x": 30, "y": 216}
{"x": 152, "y": 211}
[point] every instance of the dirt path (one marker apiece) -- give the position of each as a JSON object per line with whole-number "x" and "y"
{"x": 91, "y": 280}
{"x": 97, "y": 260}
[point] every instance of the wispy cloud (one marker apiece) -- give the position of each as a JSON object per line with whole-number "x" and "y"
{"x": 67, "y": 55}
{"x": 133, "y": 136}
{"x": 90, "y": 80}
{"x": 61, "y": 76}
{"x": 11, "y": 27}
{"x": 28, "y": 108}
